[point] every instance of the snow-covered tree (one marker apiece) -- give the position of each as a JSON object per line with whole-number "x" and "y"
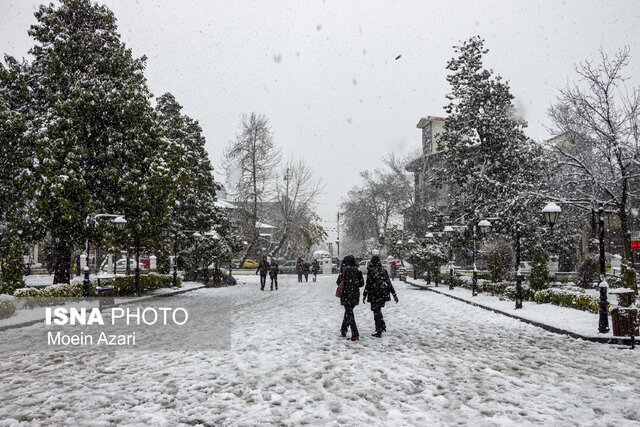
{"x": 97, "y": 146}
{"x": 194, "y": 187}
{"x": 296, "y": 196}
{"x": 493, "y": 166}
{"x": 17, "y": 181}
{"x": 385, "y": 193}
{"x": 429, "y": 258}
{"x": 251, "y": 162}
{"x": 599, "y": 159}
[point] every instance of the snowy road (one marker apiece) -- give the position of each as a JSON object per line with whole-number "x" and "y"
{"x": 442, "y": 362}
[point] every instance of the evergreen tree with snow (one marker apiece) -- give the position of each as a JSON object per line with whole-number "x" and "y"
{"x": 194, "y": 191}
{"x": 98, "y": 148}
{"x": 539, "y": 278}
{"x": 18, "y": 226}
{"x": 494, "y": 168}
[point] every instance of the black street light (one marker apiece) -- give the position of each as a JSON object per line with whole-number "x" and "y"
{"x": 449, "y": 230}
{"x": 484, "y": 226}
{"x": 518, "y": 270}
{"x": 429, "y": 238}
{"x": 603, "y": 286}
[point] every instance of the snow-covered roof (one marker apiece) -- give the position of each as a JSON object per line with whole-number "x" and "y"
{"x": 223, "y": 204}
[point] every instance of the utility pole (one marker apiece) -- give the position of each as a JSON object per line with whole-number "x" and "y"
{"x": 338, "y": 235}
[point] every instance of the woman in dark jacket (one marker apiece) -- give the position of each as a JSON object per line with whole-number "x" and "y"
{"x": 378, "y": 291}
{"x": 263, "y": 269}
{"x": 353, "y": 281}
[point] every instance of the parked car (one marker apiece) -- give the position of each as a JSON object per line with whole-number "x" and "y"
{"x": 121, "y": 265}
{"x": 289, "y": 267}
{"x": 248, "y": 263}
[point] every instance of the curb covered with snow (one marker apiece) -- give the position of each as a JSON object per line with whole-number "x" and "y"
{"x": 532, "y": 318}
{"x": 36, "y": 315}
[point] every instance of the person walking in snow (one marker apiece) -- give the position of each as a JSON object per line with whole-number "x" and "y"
{"x": 307, "y": 266}
{"x": 353, "y": 281}
{"x": 300, "y": 268}
{"x": 263, "y": 269}
{"x": 273, "y": 274}
{"x": 394, "y": 269}
{"x": 378, "y": 291}
{"x": 315, "y": 268}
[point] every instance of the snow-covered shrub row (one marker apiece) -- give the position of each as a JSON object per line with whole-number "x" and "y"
{"x": 124, "y": 286}
{"x": 50, "y": 295}
{"x": 568, "y": 297}
{"x": 7, "y": 306}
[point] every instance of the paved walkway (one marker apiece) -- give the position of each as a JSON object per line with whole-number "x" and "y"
{"x": 442, "y": 362}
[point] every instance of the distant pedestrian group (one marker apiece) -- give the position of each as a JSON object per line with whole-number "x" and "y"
{"x": 378, "y": 291}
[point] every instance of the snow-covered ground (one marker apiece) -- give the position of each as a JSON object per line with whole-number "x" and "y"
{"x": 577, "y": 321}
{"x": 442, "y": 362}
{"x": 38, "y": 313}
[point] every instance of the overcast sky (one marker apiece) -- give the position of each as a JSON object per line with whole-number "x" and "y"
{"x": 325, "y": 74}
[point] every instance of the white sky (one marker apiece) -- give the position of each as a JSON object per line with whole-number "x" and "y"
{"x": 324, "y": 73}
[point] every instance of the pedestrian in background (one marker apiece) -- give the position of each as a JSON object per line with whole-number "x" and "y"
{"x": 273, "y": 274}
{"x": 378, "y": 291}
{"x": 305, "y": 271}
{"x": 300, "y": 268}
{"x": 350, "y": 297}
{"x": 315, "y": 268}
{"x": 263, "y": 269}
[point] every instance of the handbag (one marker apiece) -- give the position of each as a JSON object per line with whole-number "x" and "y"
{"x": 340, "y": 289}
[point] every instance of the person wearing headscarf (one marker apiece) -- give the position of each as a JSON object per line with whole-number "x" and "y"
{"x": 378, "y": 291}
{"x": 353, "y": 281}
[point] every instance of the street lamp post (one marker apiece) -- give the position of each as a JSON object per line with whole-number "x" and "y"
{"x": 449, "y": 230}
{"x": 429, "y": 237}
{"x": 483, "y": 225}
{"x": 197, "y": 237}
{"x": 603, "y": 286}
{"x": 518, "y": 270}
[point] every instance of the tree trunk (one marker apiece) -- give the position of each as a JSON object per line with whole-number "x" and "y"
{"x": 62, "y": 263}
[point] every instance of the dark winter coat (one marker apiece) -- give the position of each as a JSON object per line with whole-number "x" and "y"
{"x": 315, "y": 266}
{"x": 263, "y": 268}
{"x": 353, "y": 281}
{"x": 300, "y": 267}
{"x": 274, "y": 269}
{"x": 379, "y": 288}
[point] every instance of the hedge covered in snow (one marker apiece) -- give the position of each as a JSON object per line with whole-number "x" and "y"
{"x": 7, "y": 306}
{"x": 123, "y": 285}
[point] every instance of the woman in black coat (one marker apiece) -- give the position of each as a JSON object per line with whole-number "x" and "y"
{"x": 353, "y": 281}
{"x": 378, "y": 291}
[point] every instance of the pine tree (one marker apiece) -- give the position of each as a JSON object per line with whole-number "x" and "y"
{"x": 97, "y": 146}
{"x": 18, "y": 226}
{"x": 539, "y": 278}
{"x": 492, "y": 166}
{"x": 195, "y": 188}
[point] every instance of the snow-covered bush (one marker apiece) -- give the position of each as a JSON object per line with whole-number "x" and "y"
{"x": 539, "y": 278}
{"x": 429, "y": 258}
{"x": 12, "y": 270}
{"x": 527, "y": 293}
{"x": 51, "y": 295}
{"x": 587, "y": 271}
{"x": 124, "y": 286}
{"x": 500, "y": 258}
{"x": 7, "y": 306}
{"x": 572, "y": 297}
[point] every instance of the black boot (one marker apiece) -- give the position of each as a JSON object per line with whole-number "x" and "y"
{"x": 378, "y": 334}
